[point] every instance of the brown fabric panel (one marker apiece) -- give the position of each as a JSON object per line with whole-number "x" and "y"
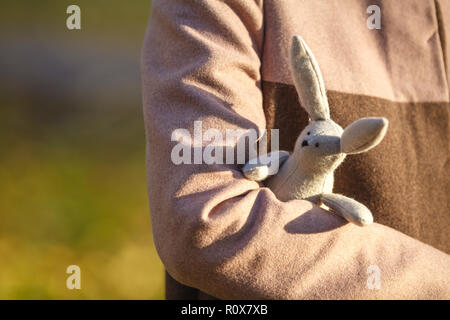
{"x": 405, "y": 180}
{"x": 283, "y": 112}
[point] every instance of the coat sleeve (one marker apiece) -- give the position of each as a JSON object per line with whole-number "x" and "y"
{"x": 228, "y": 236}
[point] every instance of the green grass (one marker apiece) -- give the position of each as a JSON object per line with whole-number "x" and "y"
{"x": 72, "y": 178}
{"x": 75, "y": 193}
{"x": 113, "y": 19}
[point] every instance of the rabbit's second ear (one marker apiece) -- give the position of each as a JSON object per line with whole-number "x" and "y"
{"x": 308, "y": 80}
{"x": 363, "y": 134}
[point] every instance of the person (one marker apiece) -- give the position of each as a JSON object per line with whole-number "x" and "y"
{"x": 225, "y": 63}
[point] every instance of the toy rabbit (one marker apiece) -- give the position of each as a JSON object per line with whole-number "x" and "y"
{"x": 307, "y": 173}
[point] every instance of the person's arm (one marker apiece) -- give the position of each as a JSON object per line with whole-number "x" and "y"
{"x": 223, "y": 234}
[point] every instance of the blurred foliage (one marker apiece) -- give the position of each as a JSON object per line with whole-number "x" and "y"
{"x": 111, "y": 19}
{"x": 72, "y": 168}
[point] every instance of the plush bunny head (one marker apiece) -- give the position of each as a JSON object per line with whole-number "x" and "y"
{"x": 323, "y": 144}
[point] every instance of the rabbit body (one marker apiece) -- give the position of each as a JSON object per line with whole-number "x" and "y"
{"x": 307, "y": 173}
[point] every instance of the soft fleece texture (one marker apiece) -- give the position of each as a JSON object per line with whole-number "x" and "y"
{"x": 309, "y": 172}
{"x": 215, "y": 230}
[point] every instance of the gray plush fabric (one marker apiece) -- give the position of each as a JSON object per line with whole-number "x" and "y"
{"x": 363, "y": 134}
{"x": 257, "y": 170}
{"x": 321, "y": 147}
{"x": 308, "y": 80}
{"x": 349, "y": 208}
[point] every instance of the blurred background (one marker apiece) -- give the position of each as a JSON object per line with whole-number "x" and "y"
{"x": 72, "y": 170}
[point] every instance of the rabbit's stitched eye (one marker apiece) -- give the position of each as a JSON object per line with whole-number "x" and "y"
{"x": 308, "y": 133}
{"x": 317, "y": 144}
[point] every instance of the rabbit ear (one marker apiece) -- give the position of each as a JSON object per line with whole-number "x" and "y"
{"x": 363, "y": 134}
{"x": 308, "y": 80}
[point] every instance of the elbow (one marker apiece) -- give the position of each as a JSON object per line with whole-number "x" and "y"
{"x": 181, "y": 247}
{"x": 197, "y": 238}
{"x": 185, "y": 262}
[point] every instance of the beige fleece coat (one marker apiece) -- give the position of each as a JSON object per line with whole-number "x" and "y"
{"x": 226, "y": 63}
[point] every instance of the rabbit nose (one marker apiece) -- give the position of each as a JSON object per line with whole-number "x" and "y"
{"x": 304, "y": 143}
